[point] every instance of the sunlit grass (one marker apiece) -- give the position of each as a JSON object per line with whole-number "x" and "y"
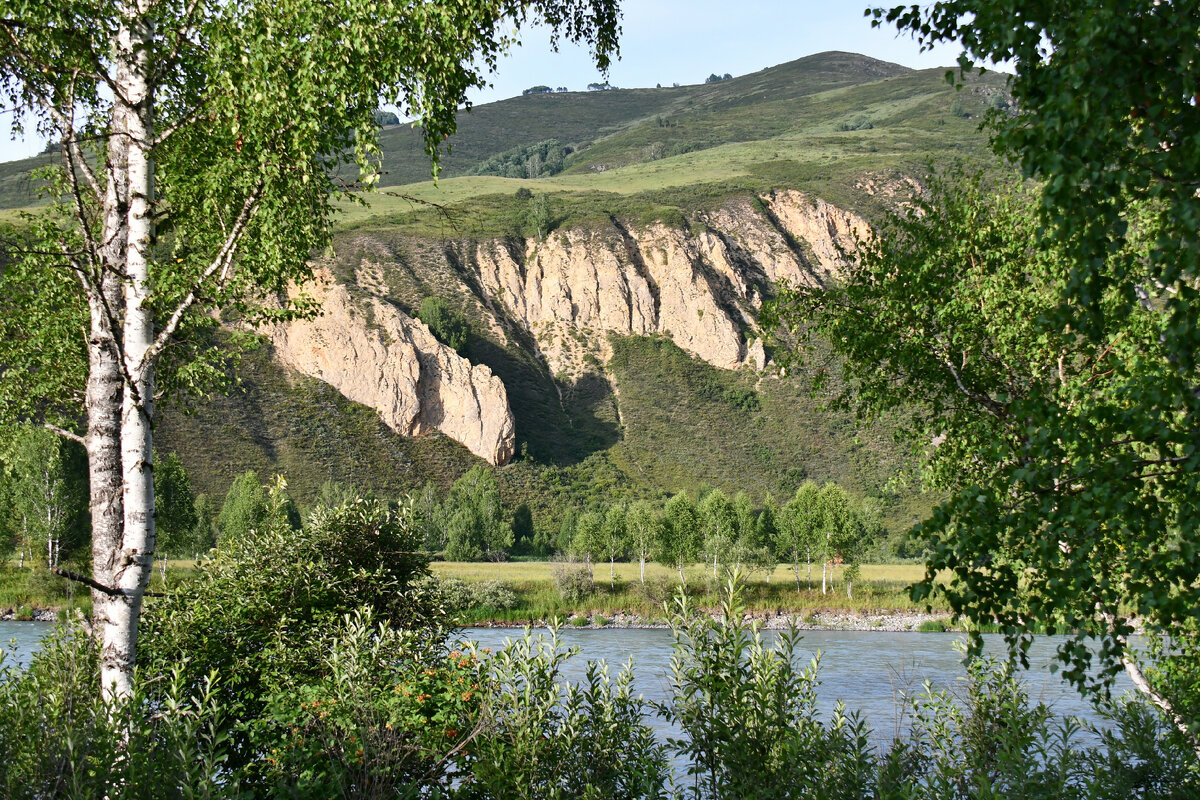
{"x": 881, "y": 589}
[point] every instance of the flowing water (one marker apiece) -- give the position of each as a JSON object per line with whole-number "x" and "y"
{"x": 865, "y": 669}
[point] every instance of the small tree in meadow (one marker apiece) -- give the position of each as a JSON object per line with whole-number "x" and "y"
{"x": 644, "y": 525}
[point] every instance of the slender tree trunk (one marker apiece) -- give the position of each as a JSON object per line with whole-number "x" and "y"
{"x": 808, "y": 561}
{"x": 796, "y": 568}
{"x": 848, "y": 595}
{"x": 642, "y": 563}
{"x": 612, "y": 568}
{"x": 1142, "y": 684}
{"x": 824, "y": 573}
{"x": 132, "y": 560}
{"x": 682, "y": 580}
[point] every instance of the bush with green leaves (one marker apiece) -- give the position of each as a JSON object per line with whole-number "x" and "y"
{"x": 59, "y": 738}
{"x": 546, "y": 739}
{"x": 264, "y": 609}
{"x": 572, "y": 581}
{"x": 460, "y": 595}
{"x": 450, "y": 327}
{"x": 748, "y": 717}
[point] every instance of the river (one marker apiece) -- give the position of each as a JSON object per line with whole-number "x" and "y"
{"x": 864, "y": 669}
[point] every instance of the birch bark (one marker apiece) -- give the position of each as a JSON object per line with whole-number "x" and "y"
{"x": 128, "y": 551}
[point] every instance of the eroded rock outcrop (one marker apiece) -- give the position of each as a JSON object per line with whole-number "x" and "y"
{"x": 376, "y": 355}
{"x": 700, "y": 286}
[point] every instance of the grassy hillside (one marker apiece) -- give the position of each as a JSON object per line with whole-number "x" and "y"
{"x": 654, "y": 420}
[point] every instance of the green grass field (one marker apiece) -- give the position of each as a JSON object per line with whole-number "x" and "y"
{"x": 881, "y": 589}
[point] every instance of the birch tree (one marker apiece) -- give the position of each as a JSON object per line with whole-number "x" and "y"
{"x": 203, "y": 147}
{"x": 644, "y": 526}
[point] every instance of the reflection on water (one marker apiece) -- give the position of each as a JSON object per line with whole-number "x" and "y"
{"x": 864, "y": 669}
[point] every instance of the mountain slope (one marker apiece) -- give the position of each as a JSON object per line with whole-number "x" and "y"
{"x": 615, "y": 302}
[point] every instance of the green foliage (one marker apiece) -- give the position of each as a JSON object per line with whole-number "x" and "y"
{"x": 384, "y": 118}
{"x": 538, "y": 160}
{"x": 1067, "y": 505}
{"x": 375, "y": 710}
{"x": 573, "y": 582}
{"x": 550, "y": 739}
{"x": 176, "y": 518}
{"x": 682, "y": 537}
{"x": 449, "y": 326}
{"x": 475, "y": 524}
{"x": 1099, "y": 501}
{"x": 58, "y": 738}
{"x": 245, "y": 507}
{"x": 748, "y": 717}
{"x": 460, "y": 595}
{"x": 204, "y": 535}
{"x": 43, "y": 495}
{"x": 262, "y": 607}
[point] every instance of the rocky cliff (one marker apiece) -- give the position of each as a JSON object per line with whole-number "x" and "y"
{"x": 376, "y": 355}
{"x": 700, "y": 284}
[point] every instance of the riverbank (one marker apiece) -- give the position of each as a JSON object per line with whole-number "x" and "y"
{"x": 519, "y": 593}
{"x": 818, "y": 621}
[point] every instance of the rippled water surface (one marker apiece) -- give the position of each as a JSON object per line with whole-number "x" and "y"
{"x": 864, "y": 669}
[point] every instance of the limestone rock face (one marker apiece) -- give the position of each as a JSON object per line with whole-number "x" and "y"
{"x": 700, "y": 284}
{"x": 701, "y": 287}
{"x": 376, "y": 355}
{"x": 822, "y": 225}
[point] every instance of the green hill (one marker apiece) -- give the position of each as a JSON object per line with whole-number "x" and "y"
{"x": 841, "y": 127}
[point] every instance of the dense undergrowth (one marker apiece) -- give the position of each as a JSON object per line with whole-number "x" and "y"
{"x": 294, "y": 668}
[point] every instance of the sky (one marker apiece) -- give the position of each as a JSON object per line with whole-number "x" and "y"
{"x": 682, "y": 41}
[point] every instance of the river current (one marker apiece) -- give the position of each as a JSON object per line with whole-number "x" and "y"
{"x": 867, "y": 670}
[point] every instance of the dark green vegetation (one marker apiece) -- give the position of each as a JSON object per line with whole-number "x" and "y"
{"x": 316, "y": 684}
{"x": 1049, "y": 335}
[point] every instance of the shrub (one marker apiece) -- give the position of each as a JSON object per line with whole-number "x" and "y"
{"x": 932, "y": 626}
{"x": 572, "y": 581}
{"x": 265, "y": 610}
{"x": 448, "y": 326}
{"x": 545, "y": 738}
{"x": 748, "y": 714}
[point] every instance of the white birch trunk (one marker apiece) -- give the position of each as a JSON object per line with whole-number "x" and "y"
{"x": 135, "y": 559}
{"x": 642, "y": 562}
{"x": 824, "y": 574}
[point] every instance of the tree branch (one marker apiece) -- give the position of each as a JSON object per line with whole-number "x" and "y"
{"x": 220, "y": 266}
{"x": 1142, "y": 684}
{"x": 99, "y": 587}
{"x": 66, "y": 434}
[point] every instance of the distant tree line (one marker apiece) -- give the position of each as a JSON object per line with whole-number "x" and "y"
{"x": 538, "y": 160}
{"x": 715, "y": 78}
{"x": 819, "y": 525}
{"x": 385, "y": 118}
{"x": 541, "y": 89}
{"x": 43, "y": 495}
